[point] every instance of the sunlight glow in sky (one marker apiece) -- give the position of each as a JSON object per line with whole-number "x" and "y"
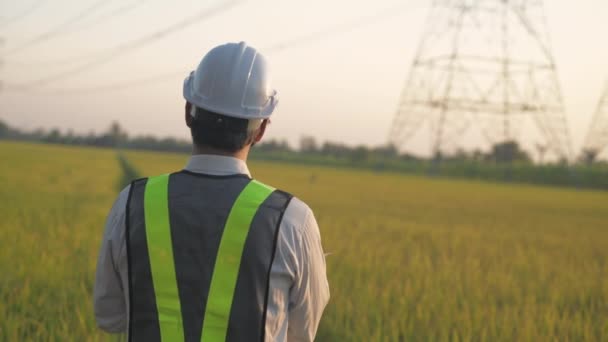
{"x": 342, "y": 87}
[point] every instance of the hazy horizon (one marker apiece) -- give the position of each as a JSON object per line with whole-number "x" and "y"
{"x": 343, "y": 87}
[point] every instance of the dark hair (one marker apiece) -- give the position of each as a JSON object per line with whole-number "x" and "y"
{"x": 220, "y": 131}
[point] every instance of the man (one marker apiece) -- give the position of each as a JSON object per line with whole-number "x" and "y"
{"x": 207, "y": 253}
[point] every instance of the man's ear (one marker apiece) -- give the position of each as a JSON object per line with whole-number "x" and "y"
{"x": 189, "y": 118}
{"x": 261, "y": 131}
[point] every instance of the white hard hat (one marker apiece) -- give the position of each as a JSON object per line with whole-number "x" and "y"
{"x": 232, "y": 80}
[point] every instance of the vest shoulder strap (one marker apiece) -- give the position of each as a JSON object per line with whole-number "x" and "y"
{"x": 228, "y": 260}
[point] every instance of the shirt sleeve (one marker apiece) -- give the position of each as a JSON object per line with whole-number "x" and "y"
{"x": 109, "y": 296}
{"x": 310, "y": 292}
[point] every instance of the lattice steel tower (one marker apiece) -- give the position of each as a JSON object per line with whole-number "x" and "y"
{"x": 597, "y": 138}
{"x": 486, "y": 63}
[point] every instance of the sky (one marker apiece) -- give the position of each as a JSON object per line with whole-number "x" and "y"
{"x": 339, "y": 72}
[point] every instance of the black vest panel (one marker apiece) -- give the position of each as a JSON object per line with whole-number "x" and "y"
{"x": 199, "y": 206}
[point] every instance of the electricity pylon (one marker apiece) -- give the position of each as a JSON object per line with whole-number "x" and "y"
{"x": 597, "y": 137}
{"x": 486, "y": 63}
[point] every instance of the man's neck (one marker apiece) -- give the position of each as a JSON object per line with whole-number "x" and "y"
{"x": 242, "y": 154}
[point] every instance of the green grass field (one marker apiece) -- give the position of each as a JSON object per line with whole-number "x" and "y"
{"x": 412, "y": 258}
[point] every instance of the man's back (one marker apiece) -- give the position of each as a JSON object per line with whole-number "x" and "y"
{"x": 282, "y": 270}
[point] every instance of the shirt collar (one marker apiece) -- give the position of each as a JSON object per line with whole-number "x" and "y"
{"x": 217, "y": 165}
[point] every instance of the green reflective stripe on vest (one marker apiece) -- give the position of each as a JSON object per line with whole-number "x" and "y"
{"x": 160, "y": 252}
{"x": 228, "y": 261}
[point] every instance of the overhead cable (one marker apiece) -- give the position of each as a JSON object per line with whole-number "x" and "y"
{"x": 341, "y": 28}
{"x": 29, "y": 10}
{"x": 277, "y": 47}
{"x": 58, "y": 29}
{"x": 112, "y": 14}
{"x": 112, "y": 53}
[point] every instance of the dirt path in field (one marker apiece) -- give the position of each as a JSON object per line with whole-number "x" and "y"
{"x": 129, "y": 172}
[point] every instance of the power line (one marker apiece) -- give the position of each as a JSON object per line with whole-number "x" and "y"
{"x": 112, "y": 14}
{"x": 278, "y": 47}
{"x": 59, "y": 29}
{"x": 342, "y": 27}
{"x": 124, "y": 48}
{"x": 35, "y": 5}
{"x": 106, "y": 87}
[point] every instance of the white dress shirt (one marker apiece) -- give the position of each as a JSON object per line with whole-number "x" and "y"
{"x": 298, "y": 284}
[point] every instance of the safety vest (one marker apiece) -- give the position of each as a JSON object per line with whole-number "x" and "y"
{"x": 199, "y": 250}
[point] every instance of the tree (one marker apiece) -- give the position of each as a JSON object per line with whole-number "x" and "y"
{"x": 459, "y": 155}
{"x": 508, "y": 152}
{"x": 116, "y": 134}
{"x": 386, "y": 151}
{"x": 589, "y": 156}
{"x": 4, "y": 130}
{"x": 360, "y": 154}
{"x": 274, "y": 146}
{"x": 542, "y": 150}
{"x": 308, "y": 144}
{"x": 54, "y": 136}
{"x": 335, "y": 150}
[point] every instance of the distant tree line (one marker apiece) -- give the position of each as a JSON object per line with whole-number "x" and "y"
{"x": 508, "y": 152}
{"x": 503, "y": 162}
{"x": 115, "y": 136}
